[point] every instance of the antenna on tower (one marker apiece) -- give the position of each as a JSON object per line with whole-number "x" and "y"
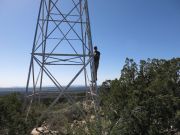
{"x": 62, "y": 47}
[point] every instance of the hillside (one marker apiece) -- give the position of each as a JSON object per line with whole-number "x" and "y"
{"x": 145, "y": 100}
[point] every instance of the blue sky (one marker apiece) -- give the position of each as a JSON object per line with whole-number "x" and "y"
{"x": 137, "y": 29}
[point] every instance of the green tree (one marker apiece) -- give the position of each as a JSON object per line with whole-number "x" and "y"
{"x": 11, "y": 116}
{"x": 145, "y": 100}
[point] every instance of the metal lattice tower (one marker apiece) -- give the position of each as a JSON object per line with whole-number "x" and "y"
{"x": 62, "y": 42}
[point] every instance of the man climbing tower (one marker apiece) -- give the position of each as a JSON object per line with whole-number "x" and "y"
{"x": 96, "y": 60}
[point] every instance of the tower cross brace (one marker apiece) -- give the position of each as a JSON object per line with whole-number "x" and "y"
{"x": 62, "y": 39}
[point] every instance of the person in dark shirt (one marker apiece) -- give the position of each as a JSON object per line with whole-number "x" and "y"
{"x": 96, "y": 60}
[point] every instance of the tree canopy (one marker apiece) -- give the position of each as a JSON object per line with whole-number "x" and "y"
{"x": 145, "y": 100}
